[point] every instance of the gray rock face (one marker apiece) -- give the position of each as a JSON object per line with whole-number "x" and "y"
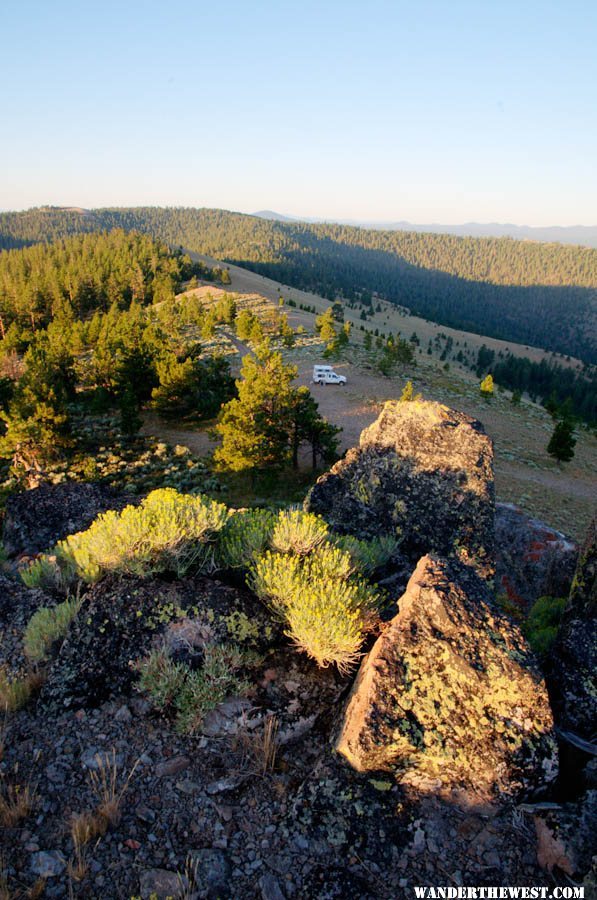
{"x": 421, "y": 468}
{"x": 573, "y": 670}
{"x": 35, "y": 520}
{"x": 532, "y": 560}
{"x": 449, "y": 696}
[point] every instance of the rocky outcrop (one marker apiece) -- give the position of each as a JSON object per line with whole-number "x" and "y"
{"x": 532, "y": 559}
{"x": 573, "y": 666}
{"x": 449, "y": 696}
{"x": 422, "y": 469}
{"x": 35, "y": 520}
{"x": 121, "y": 619}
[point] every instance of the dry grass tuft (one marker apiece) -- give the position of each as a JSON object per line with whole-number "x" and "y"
{"x": 105, "y": 786}
{"x": 16, "y": 802}
{"x": 16, "y": 692}
{"x": 258, "y": 747}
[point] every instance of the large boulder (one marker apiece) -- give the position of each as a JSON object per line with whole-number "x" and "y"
{"x": 35, "y": 520}
{"x": 449, "y": 696}
{"x": 532, "y": 559}
{"x": 423, "y": 469}
{"x": 573, "y": 665}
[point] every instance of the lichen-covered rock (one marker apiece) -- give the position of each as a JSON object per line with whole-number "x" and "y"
{"x": 532, "y": 559}
{"x": 36, "y": 520}
{"x": 449, "y": 696}
{"x": 121, "y": 619}
{"x": 573, "y": 666}
{"x": 423, "y": 469}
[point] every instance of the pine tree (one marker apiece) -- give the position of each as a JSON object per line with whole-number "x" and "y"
{"x": 561, "y": 444}
{"x": 324, "y": 325}
{"x": 254, "y": 426}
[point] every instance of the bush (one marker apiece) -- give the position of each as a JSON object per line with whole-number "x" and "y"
{"x": 367, "y": 556}
{"x": 246, "y": 534}
{"x": 298, "y": 532}
{"x": 47, "y": 625}
{"x": 543, "y": 622}
{"x": 168, "y": 531}
{"x": 324, "y": 606}
{"x": 191, "y": 694}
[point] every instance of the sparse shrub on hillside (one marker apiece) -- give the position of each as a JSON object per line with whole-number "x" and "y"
{"x": 191, "y": 694}
{"x": 298, "y": 532}
{"x": 408, "y": 393}
{"x": 323, "y": 604}
{"x": 46, "y": 626}
{"x": 486, "y": 387}
{"x": 246, "y": 534}
{"x": 166, "y": 532}
{"x": 543, "y": 622}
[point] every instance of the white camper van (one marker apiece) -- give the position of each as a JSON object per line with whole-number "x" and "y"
{"x": 326, "y": 375}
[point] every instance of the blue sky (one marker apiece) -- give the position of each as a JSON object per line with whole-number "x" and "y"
{"x": 426, "y": 111}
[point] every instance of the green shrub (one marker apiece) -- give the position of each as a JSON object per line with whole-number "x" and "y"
{"x": 168, "y": 531}
{"x": 368, "y": 556}
{"x": 246, "y": 534}
{"x": 44, "y": 572}
{"x": 191, "y": 694}
{"x": 47, "y": 625}
{"x": 298, "y": 532}
{"x": 543, "y": 622}
{"x": 325, "y": 607}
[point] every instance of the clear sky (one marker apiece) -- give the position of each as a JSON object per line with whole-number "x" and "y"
{"x": 425, "y": 110}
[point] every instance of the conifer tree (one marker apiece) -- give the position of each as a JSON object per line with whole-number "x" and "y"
{"x": 254, "y": 426}
{"x": 562, "y": 442}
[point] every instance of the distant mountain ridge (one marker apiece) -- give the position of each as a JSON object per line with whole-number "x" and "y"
{"x": 583, "y": 235}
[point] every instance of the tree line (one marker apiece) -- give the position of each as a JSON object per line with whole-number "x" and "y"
{"x": 95, "y": 328}
{"x": 535, "y": 293}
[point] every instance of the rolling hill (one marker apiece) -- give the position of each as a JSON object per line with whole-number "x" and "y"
{"x": 531, "y": 293}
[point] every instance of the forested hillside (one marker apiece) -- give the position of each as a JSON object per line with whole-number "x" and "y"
{"x": 540, "y": 294}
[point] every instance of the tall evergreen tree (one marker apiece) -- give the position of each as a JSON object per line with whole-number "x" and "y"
{"x": 562, "y": 442}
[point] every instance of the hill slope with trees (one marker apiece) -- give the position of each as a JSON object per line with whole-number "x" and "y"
{"x": 540, "y": 294}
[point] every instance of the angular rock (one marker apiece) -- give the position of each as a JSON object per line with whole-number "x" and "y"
{"x": 421, "y": 468}
{"x": 450, "y": 695}
{"x": 162, "y": 884}
{"x": 172, "y": 766}
{"x": 532, "y": 559}
{"x": 48, "y": 864}
{"x": 567, "y": 836}
{"x": 270, "y": 888}
{"x": 211, "y": 871}
{"x": 573, "y": 668}
{"x": 35, "y": 520}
